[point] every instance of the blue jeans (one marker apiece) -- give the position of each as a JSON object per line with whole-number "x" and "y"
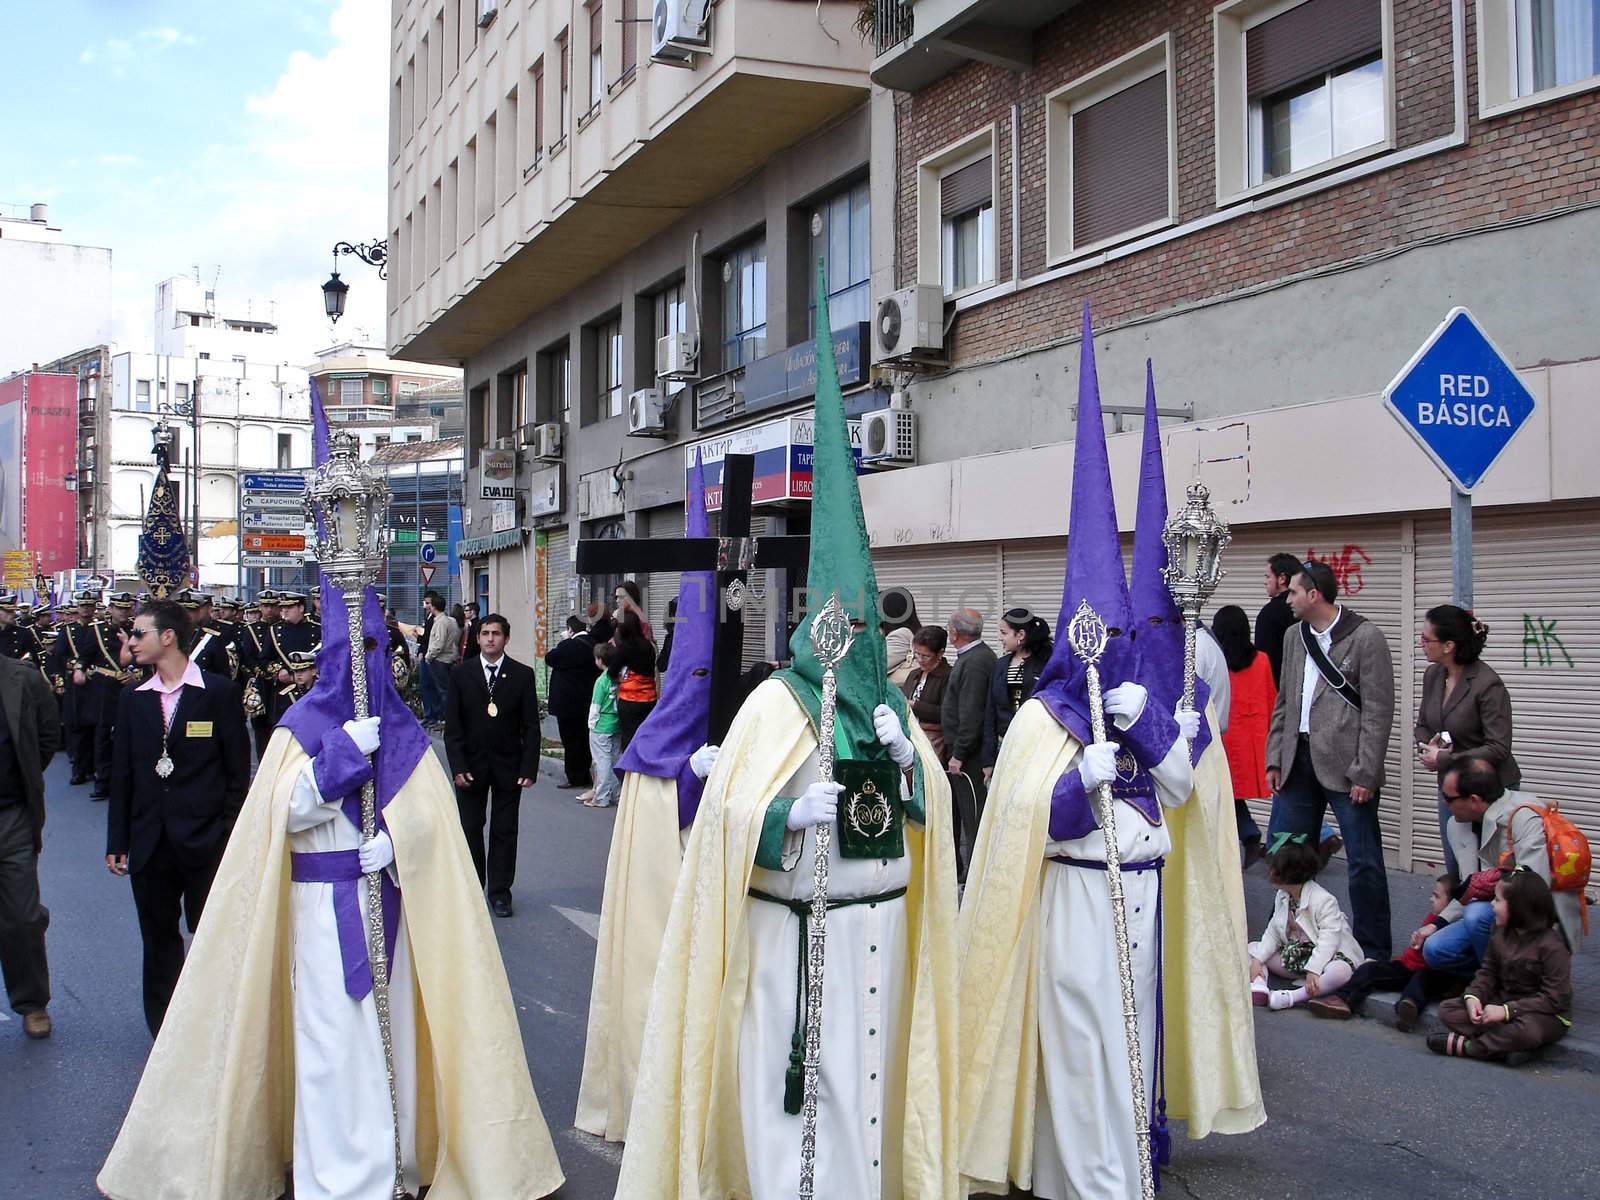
{"x": 1459, "y": 947}
{"x": 1299, "y": 807}
{"x": 432, "y": 692}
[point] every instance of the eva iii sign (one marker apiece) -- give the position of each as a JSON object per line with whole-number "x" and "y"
{"x": 1461, "y": 399}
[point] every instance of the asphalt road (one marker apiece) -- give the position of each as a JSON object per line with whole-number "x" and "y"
{"x": 1355, "y": 1109}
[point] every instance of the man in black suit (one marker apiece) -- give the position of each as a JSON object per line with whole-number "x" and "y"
{"x": 180, "y": 770}
{"x": 30, "y": 733}
{"x": 491, "y": 737}
{"x": 572, "y": 675}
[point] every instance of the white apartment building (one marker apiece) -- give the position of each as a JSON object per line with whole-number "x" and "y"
{"x": 55, "y": 295}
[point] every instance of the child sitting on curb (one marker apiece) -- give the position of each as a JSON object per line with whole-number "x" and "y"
{"x": 1520, "y": 998}
{"x": 1419, "y": 986}
{"x": 1308, "y": 937}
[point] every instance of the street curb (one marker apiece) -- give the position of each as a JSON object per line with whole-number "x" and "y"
{"x": 1573, "y": 1053}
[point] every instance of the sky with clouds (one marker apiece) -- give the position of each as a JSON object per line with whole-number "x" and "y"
{"x": 240, "y": 137}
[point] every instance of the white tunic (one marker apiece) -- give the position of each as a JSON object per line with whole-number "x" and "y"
{"x": 343, "y": 1130}
{"x": 863, "y": 1044}
{"x": 1085, "y": 1144}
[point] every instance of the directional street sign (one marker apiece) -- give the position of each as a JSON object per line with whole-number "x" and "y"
{"x": 286, "y": 520}
{"x": 1461, "y": 399}
{"x": 272, "y": 562}
{"x": 281, "y": 500}
{"x": 256, "y": 543}
{"x": 269, "y": 481}
{"x": 428, "y": 552}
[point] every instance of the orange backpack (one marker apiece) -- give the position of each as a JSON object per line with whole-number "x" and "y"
{"x": 1570, "y": 861}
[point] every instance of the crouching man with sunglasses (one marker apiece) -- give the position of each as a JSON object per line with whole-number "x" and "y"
{"x": 180, "y": 770}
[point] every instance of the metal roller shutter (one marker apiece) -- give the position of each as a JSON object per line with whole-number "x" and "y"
{"x": 1032, "y": 573}
{"x": 760, "y": 637}
{"x": 1535, "y": 576}
{"x": 558, "y": 603}
{"x": 944, "y": 578}
{"x": 1374, "y": 576}
{"x": 661, "y": 586}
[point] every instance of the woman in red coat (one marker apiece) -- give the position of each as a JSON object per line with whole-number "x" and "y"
{"x": 1245, "y": 739}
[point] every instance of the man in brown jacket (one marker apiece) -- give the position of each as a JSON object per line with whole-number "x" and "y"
{"x": 30, "y": 733}
{"x": 1329, "y": 734}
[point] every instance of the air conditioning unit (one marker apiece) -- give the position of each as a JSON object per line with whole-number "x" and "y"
{"x": 546, "y": 441}
{"x": 506, "y": 443}
{"x": 889, "y": 438}
{"x": 678, "y": 31}
{"x": 675, "y": 356}
{"x": 647, "y": 413}
{"x": 487, "y": 10}
{"x": 909, "y": 323}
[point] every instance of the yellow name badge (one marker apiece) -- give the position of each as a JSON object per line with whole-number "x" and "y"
{"x": 197, "y": 729}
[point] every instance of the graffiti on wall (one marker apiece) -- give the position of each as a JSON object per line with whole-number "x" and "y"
{"x": 1346, "y": 566}
{"x": 1541, "y": 642}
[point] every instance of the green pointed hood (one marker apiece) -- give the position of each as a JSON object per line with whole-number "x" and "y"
{"x": 840, "y": 561}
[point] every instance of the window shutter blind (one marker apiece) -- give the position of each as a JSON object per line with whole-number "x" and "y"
{"x": 969, "y": 188}
{"x": 1120, "y": 162}
{"x": 1309, "y": 39}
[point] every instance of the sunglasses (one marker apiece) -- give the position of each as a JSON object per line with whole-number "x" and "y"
{"x": 135, "y": 634}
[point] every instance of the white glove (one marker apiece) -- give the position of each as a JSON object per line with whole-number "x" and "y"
{"x": 376, "y": 853}
{"x": 892, "y": 737}
{"x": 1098, "y": 764}
{"x": 1125, "y": 702}
{"x": 1188, "y": 723}
{"x": 364, "y": 733}
{"x": 703, "y": 760}
{"x": 817, "y": 804}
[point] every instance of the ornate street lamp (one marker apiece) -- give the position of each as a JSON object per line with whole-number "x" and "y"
{"x": 374, "y": 254}
{"x": 1195, "y": 539}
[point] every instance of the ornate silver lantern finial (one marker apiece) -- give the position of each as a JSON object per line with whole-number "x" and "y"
{"x": 346, "y": 502}
{"x": 1195, "y": 538}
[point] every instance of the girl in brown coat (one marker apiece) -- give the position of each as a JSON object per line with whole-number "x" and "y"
{"x": 1519, "y": 999}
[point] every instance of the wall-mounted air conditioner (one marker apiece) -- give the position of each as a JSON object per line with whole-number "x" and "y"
{"x": 647, "y": 413}
{"x": 675, "y": 356}
{"x": 546, "y": 441}
{"x": 909, "y": 323}
{"x": 889, "y": 438}
{"x": 678, "y": 31}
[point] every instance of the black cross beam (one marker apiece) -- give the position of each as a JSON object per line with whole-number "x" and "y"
{"x": 732, "y": 556}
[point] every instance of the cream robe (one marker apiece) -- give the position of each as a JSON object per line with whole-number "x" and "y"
{"x": 709, "y": 1034}
{"x": 1008, "y": 943}
{"x": 641, "y": 873}
{"x": 343, "y": 1128}
{"x": 225, "y": 1055}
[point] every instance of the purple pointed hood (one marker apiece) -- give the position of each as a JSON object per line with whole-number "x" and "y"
{"x": 677, "y": 726}
{"x": 331, "y": 700}
{"x": 1155, "y": 614}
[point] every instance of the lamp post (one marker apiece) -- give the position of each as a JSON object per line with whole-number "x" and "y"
{"x": 374, "y": 254}
{"x": 1195, "y": 539}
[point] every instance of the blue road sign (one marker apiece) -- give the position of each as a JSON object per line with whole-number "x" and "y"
{"x": 428, "y": 552}
{"x": 267, "y": 481}
{"x": 1461, "y": 399}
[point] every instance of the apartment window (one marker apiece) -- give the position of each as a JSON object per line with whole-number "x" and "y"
{"x": 380, "y": 387}
{"x": 1557, "y": 43}
{"x": 425, "y": 92}
{"x": 486, "y": 167}
{"x": 284, "y": 451}
{"x": 468, "y": 201}
{"x": 434, "y": 229}
{"x": 538, "y": 112}
{"x": 349, "y": 391}
{"x": 608, "y": 368}
{"x": 597, "y": 68}
{"x": 480, "y": 416}
{"x": 180, "y": 393}
{"x": 141, "y": 396}
{"x": 554, "y": 399}
{"x": 436, "y": 58}
{"x": 510, "y": 174}
{"x": 205, "y": 354}
{"x": 379, "y": 441}
{"x": 966, "y": 226}
{"x": 630, "y": 38}
{"x": 670, "y": 316}
{"x": 514, "y": 395}
{"x": 408, "y": 387}
{"x": 744, "y": 304}
{"x": 845, "y": 244}
{"x": 1110, "y": 152}
{"x": 450, "y": 210}
{"x": 564, "y": 96}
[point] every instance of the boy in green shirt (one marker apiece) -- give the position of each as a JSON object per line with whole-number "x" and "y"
{"x": 603, "y": 732}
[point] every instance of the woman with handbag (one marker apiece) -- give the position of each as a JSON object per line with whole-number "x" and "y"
{"x": 924, "y": 686}
{"x": 1465, "y": 710}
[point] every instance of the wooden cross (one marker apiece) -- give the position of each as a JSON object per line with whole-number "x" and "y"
{"x": 732, "y": 556}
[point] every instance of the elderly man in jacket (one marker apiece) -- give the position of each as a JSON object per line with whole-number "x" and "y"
{"x": 1328, "y": 736}
{"x": 966, "y": 703}
{"x": 1486, "y": 823}
{"x": 30, "y": 733}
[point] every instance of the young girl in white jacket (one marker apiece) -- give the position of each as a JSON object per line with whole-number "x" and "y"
{"x": 1308, "y": 939}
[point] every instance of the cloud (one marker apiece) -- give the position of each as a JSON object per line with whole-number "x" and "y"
{"x": 118, "y": 160}
{"x": 126, "y": 50}
{"x": 308, "y": 170}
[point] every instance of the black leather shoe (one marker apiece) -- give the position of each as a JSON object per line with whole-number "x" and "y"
{"x": 78, "y": 780}
{"x": 500, "y": 906}
{"x": 99, "y": 795}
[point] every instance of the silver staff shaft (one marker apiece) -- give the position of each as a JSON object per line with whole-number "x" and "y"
{"x": 376, "y": 954}
{"x": 1191, "y": 633}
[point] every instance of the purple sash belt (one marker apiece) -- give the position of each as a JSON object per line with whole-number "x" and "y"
{"x": 342, "y": 868}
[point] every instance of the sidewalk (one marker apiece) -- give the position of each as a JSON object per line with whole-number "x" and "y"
{"x": 1408, "y": 900}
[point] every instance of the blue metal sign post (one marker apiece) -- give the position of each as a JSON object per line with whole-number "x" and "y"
{"x": 1460, "y": 398}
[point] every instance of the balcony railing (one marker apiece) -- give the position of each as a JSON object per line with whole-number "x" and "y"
{"x": 891, "y": 24}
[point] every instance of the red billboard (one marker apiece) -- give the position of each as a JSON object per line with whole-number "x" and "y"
{"x": 38, "y": 453}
